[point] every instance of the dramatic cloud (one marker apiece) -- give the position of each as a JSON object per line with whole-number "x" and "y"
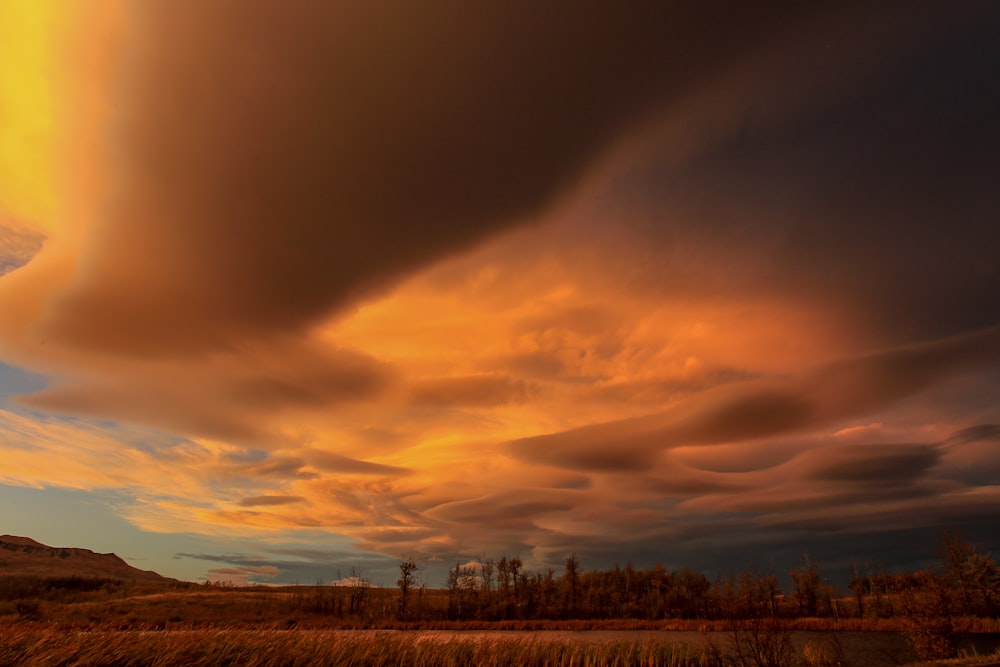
{"x": 640, "y": 282}
{"x": 844, "y": 390}
{"x": 228, "y": 395}
{"x": 283, "y": 163}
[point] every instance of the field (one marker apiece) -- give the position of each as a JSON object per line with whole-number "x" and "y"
{"x": 30, "y": 645}
{"x": 504, "y": 616}
{"x": 138, "y": 624}
{"x": 51, "y": 644}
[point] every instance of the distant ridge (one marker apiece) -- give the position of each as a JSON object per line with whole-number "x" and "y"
{"x": 25, "y": 541}
{"x": 23, "y": 556}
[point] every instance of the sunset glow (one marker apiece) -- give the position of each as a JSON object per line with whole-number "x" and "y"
{"x": 697, "y": 289}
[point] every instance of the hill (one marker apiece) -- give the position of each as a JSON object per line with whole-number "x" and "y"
{"x": 23, "y": 556}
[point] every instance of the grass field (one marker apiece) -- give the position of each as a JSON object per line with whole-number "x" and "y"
{"x": 49, "y": 645}
{"x": 26, "y": 644}
{"x": 76, "y": 621}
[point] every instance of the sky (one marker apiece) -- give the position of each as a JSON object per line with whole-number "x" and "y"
{"x": 292, "y": 293}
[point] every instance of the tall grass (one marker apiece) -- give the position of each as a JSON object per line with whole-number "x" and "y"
{"x": 28, "y": 644}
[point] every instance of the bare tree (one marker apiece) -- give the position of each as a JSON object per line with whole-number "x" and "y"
{"x": 860, "y": 586}
{"x": 807, "y": 586}
{"x": 486, "y": 569}
{"x": 407, "y": 577}
{"x": 972, "y": 573}
{"x": 572, "y": 579}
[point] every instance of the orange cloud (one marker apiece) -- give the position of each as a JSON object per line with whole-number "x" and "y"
{"x": 407, "y": 283}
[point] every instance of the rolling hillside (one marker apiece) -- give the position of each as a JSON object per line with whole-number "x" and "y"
{"x": 22, "y": 556}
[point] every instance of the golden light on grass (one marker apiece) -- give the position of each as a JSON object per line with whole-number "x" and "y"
{"x": 269, "y": 647}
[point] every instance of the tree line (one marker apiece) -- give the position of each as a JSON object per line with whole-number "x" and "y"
{"x": 967, "y": 583}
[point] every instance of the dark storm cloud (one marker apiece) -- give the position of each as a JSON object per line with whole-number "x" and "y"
{"x": 872, "y": 463}
{"x": 724, "y": 547}
{"x": 846, "y": 389}
{"x": 972, "y": 456}
{"x": 841, "y": 503}
{"x": 688, "y": 483}
{"x": 820, "y": 181}
{"x": 275, "y": 163}
{"x": 883, "y": 199}
{"x": 975, "y": 434}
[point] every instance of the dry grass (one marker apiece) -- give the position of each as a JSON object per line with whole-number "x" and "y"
{"x": 198, "y": 607}
{"x": 30, "y": 644}
{"x": 991, "y": 660}
{"x": 49, "y": 645}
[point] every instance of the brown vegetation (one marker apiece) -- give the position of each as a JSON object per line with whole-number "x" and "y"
{"x": 932, "y": 607}
{"x": 28, "y": 645}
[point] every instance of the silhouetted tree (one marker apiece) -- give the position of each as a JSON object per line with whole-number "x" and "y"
{"x": 486, "y": 569}
{"x": 807, "y": 586}
{"x": 407, "y": 571}
{"x": 572, "y": 581}
{"x": 861, "y": 587}
{"x": 973, "y": 574}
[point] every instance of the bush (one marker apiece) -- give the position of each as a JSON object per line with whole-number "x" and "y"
{"x": 930, "y": 629}
{"x": 29, "y": 610}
